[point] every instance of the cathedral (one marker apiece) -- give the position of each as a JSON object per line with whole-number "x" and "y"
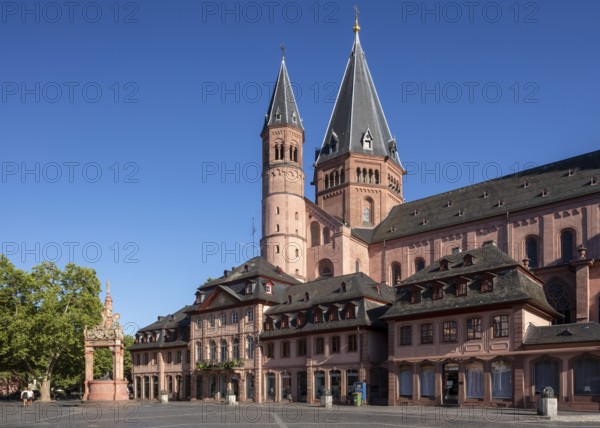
{"x": 482, "y": 295}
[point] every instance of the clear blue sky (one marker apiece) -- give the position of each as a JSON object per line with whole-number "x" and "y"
{"x": 191, "y": 83}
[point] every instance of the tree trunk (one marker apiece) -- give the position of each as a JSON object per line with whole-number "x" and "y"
{"x": 45, "y": 390}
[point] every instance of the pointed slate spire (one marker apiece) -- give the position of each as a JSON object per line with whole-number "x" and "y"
{"x": 357, "y": 123}
{"x": 282, "y": 108}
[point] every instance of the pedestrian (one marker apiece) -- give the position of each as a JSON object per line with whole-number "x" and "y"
{"x": 30, "y": 396}
{"x": 24, "y": 397}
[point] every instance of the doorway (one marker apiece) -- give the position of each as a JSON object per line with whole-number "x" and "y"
{"x": 450, "y": 384}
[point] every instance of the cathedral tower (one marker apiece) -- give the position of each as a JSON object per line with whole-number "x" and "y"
{"x": 283, "y": 240}
{"x": 358, "y": 175}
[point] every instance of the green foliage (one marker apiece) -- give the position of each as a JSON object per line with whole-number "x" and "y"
{"x": 230, "y": 364}
{"x": 42, "y": 317}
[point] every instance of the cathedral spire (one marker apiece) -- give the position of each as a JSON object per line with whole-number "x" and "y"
{"x": 358, "y": 124}
{"x": 282, "y": 108}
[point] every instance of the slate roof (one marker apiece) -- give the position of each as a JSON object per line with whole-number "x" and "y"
{"x": 361, "y": 290}
{"x": 356, "y": 110}
{"x": 257, "y": 266}
{"x": 178, "y": 320}
{"x": 562, "y": 333}
{"x": 283, "y": 109}
{"x": 511, "y": 284}
{"x": 565, "y": 179}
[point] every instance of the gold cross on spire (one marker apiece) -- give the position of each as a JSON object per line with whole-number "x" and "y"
{"x": 282, "y": 47}
{"x": 356, "y": 26}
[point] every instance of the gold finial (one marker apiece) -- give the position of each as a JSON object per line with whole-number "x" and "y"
{"x": 356, "y": 26}
{"x": 282, "y": 47}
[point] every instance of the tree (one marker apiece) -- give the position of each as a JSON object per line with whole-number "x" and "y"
{"x": 42, "y": 317}
{"x": 103, "y": 363}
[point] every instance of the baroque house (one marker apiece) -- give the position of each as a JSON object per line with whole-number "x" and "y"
{"x": 484, "y": 294}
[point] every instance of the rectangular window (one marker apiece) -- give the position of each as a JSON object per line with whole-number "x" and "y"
{"x": 426, "y": 333}
{"x": 449, "y": 331}
{"x": 352, "y": 343}
{"x": 474, "y": 329}
{"x": 154, "y": 358}
{"x": 146, "y": 359}
{"x": 415, "y": 296}
{"x": 301, "y": 350}
{"x": 406, "y": 335}
{"x": 319, "y": 345}
{"x": 487, "y": 285}
{"x": 250, "y": 315}
{"x": 438, "y": 292}
{"x": 501, "y": 326}
{"x": 461, "y": 289}
{"x": 212, "y": 321}
{"x": 285, "y": 349}
{"x": 335, "y": 344}
{"x": 269, "y": 350}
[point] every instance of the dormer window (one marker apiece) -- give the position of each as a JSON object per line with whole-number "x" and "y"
{"x": 289, "y": 299}
{"x": 277, "y": 114}
{"x": 487, "y": 284}
{"x": 438, "y": 292}
{"x": 285, "y": 323}
{"x": 367, "y": 140}
{"x": 300, "y": 319}
{"x": 249, "y": 288}
{"x": 593, "y": 181}
{"x": 571, "y": 173}
{"x": 269, "y": 288}
{"x": 545, "y": 193}
{"x": 333, "y": 143}
{"x": 467, "y": 260}
{"x": 306, "y": 297}
{"x": 318, "y": 315}
{"x": 343, "y": 287}
{"x": 350, "y": 311}
{"x": 415, "y": 295}
{"x": 269, "y": 324}
{"x": 294, "y": 119}
{"x": 461, "y": 289}
{"x": 333, "y": 313}
{"x": 443, "y": 265}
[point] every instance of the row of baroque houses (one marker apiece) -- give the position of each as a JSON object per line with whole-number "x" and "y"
{"x": 483, "y": 294}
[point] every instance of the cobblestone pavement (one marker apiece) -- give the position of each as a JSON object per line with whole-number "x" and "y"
{"x": 293, "y": 415}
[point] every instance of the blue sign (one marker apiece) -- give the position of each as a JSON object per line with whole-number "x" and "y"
{"x": 361, "y": 387}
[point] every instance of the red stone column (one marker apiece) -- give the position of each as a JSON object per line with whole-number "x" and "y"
{"x": 89, "y": 369}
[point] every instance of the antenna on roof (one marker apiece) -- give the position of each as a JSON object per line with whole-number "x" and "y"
{"x": 282, "y": 47}
{"x": 253, "y": 231}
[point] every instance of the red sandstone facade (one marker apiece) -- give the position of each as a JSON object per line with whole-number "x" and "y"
{"x": 548, "y": 218}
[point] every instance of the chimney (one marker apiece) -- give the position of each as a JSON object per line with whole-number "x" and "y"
{"x": 225, "y": 273}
